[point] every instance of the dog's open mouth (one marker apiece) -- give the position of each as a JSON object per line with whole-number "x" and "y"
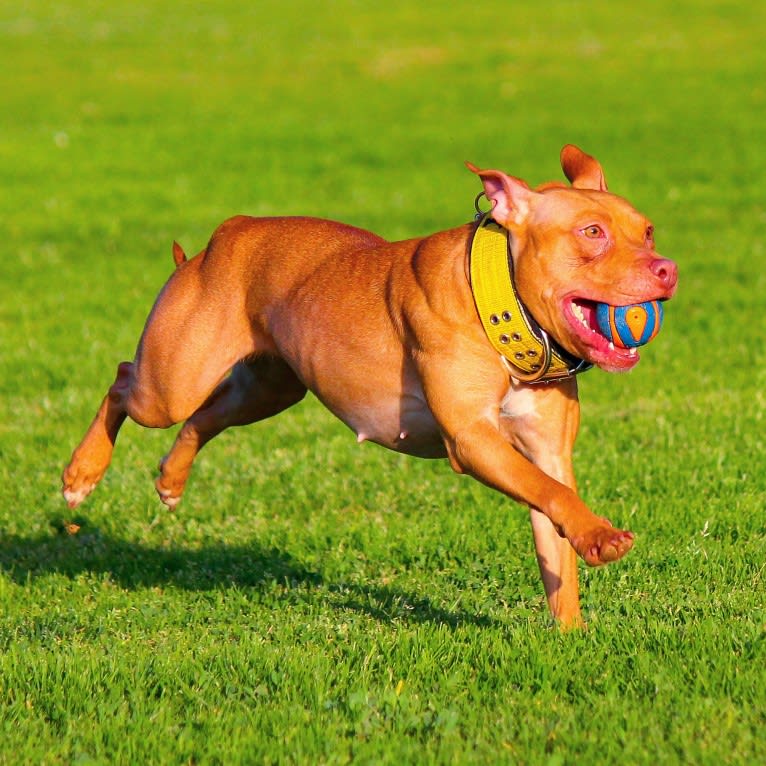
{"x": 592, "y": 344}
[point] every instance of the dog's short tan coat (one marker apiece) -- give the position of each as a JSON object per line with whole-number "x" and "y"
{"x": 387, "y": 336}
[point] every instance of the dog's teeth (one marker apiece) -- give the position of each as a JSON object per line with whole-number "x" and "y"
{"x": 580, "y": 316}
{"x": 611, "y": 346}
{"x": 633, "y": 352}
{"x": 578, "y": 313}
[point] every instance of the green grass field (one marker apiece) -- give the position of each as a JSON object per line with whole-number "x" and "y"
{"x": 317, "y": 602}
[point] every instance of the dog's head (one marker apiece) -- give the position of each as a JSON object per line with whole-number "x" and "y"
{"x": 576, "y": 246}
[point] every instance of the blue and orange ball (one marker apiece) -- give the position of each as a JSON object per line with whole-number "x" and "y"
{"x": 630, "y": 326}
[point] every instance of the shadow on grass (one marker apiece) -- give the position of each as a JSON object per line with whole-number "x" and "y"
{"x": 133, "y": 565}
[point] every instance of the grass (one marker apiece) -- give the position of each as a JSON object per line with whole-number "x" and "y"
{"x": 313, "y": 601}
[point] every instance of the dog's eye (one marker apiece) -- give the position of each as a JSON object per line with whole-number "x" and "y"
{"x": 593, "y": 231}
{"x": 649, "y": 236}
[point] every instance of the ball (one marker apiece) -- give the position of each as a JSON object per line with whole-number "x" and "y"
{"x": 630, "y": 326}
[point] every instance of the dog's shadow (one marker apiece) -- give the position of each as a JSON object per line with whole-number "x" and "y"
{"x": 134, "y": 565}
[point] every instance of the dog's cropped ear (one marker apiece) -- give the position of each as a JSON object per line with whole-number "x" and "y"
{"x": 582, "y": 170}
{"x": 510, "y": 197}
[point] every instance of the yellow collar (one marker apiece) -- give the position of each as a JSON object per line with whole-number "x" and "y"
{"x": 525, "y": 348}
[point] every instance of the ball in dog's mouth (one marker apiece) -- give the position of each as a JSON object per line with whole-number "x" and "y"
{"x": 600, "y": 345}
{"x": 630, "y": 326}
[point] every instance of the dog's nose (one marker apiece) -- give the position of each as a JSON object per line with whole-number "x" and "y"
{"x": 666, "y": 272}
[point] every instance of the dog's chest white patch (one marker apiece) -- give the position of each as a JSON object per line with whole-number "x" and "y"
{"x": 520, "y": 403}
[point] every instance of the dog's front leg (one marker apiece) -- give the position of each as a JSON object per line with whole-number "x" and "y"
{"x": 469, "y": 417}
{"x": 480, "y": 450}
{"x": 542, "y": 422}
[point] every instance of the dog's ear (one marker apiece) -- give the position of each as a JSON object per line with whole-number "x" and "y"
{"x": 510, "y": 197}
{"x": 582, "y": 170}
{"x": 179, "y": 256}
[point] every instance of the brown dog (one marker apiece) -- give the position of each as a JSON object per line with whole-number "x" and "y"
{"x": 388, "y": 337}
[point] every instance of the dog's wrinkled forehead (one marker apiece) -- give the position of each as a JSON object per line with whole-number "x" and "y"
{"x": 569, "y": 207}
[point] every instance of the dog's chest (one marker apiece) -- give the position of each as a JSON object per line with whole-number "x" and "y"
{"x": 521, "y": 403}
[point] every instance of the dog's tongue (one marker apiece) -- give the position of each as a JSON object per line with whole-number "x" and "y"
{"x": 589, "y": 313}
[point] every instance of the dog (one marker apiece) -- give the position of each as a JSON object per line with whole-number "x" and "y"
{"x": 464, "y": 344}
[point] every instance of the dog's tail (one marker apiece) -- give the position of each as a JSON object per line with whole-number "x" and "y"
{"x": 179, "y": 256}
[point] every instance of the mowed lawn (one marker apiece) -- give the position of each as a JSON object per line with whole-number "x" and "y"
{"x": 313, "y": 601}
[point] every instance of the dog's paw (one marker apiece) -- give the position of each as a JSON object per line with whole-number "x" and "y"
{"x": 167, "y": 496}
{"x": 602, "y": 544}
{"x": 78, "y": 481}
{"x": 169, "y": 488}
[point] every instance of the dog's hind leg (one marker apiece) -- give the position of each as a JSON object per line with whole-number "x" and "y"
{"x": 91, "y": 458}
{"x": 192, "y": 338}
{"x": 255, "y": 390}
